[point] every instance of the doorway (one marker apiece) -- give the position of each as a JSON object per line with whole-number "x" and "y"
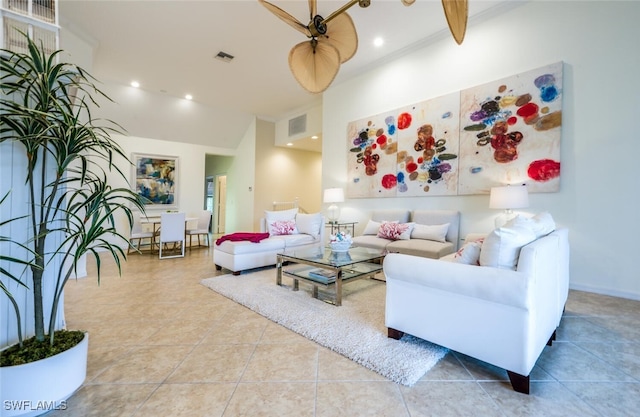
{"x": 219, "y": 204}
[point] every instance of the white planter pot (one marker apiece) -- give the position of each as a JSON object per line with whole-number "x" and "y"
{"x": 38, "y": 387}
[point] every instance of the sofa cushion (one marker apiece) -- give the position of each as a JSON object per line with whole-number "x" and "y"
{"x": 370, "y": 241}
{"x": 420, "y": 247}
{"x": 246, "y": 247}
{"x": 395, "y": 230}
{"x": 430, "y": 232}
{"x": 501, "y": 248}
{"x": 290, "y": 241}
{"x": 400, "y": 216}
{"x": 309, "y": 223}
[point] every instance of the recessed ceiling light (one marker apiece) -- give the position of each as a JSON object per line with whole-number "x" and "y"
{"x": 378, "y": 42}
{"x": 289, "y": 144}
{"x": 189, "y": 97}
{"x": 135, "y": 84}
{"x": 314, "y": 137}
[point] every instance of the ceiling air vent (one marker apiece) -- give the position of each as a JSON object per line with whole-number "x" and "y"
{"x": 298, "y": 125}
{"x": 223, "y": 56}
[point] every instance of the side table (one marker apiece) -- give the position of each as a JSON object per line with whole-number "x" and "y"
{"x": 338, "y": 226}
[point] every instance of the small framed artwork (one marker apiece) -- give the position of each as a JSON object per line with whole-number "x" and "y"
{"x": 155, "y": 179}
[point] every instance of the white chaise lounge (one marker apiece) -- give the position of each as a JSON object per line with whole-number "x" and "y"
{"x": 238, "y": 256}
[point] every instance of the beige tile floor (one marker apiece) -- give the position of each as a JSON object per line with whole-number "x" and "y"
{"x": 163, "y": 345}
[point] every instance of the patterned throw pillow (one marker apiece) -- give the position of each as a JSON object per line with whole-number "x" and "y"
{"x": 395, "y": 230}
{"x": 469, "y": 253}
{"x": 282, "y": 227}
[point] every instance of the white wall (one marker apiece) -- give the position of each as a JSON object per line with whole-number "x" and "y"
{"x": 313, "y": 127}
{"x": 599, "y": 188}
{"x": 191, "y": 168}
{"x": 284, "y": 174}
{"x": 241, "y": 183}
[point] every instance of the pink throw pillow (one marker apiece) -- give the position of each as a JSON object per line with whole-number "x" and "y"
{"x": 394, "y": 230}
{"x": 283, "y": 227}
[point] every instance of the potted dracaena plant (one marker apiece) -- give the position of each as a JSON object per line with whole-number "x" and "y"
{"x": 67, "y": 156}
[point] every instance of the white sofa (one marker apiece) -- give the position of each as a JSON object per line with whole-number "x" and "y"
{"x": 238, "y": 256}
{"x": 433, "y": 234}
{"x": 500, "y": 316}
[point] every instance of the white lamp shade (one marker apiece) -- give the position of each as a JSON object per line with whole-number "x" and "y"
{"x": 509, "y": 197}
{"x": 333, "y": 195}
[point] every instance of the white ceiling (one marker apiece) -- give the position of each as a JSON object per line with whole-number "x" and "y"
{"x": 169, "y": 45}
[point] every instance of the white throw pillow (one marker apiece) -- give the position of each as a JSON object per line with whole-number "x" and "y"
{"x": 309, "y": 223}
{"x": 371, "y": 228}
{"x": 272, "y": 216}
{"x": 543, "y": 224}
{"x": 501, "y": 248}
{"x": 437, "y": 232}
{"x": 469, "y": 253}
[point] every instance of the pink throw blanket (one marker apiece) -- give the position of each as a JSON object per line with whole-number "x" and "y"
{"x": 239, "y": 236}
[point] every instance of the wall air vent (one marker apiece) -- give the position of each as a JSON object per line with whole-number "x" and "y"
{"x": 298, "y": 125}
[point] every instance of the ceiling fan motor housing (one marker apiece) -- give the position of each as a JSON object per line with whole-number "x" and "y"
{"x": 317, "y": 27}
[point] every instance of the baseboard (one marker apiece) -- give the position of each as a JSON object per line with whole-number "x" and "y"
{"x": 606, "y": 291}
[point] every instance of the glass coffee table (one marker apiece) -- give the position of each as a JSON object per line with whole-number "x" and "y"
{"x": 322, "y": 267}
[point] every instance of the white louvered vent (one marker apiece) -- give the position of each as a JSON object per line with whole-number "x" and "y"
{"x": 15, "y": 41}
{"x": 18, "y": 6}
{"x": 298, "y": 125}
{"x": 45, "y": 38}
{"x": 37, "y": 18}
{"x": 44, "y": 10}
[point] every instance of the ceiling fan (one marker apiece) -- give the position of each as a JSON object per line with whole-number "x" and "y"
{"x": 333, "y": 40}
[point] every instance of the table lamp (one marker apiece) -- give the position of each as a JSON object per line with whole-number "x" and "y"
{"x": 508, "y": 198}
{"x": 333, "y": 196}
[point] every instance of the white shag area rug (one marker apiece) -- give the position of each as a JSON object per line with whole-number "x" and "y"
{"x": 355, "y": 330}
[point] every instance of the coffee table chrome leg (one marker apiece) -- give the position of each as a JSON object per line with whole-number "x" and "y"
{"x": 279, "y": 270}
{"x": 338, "y": 297}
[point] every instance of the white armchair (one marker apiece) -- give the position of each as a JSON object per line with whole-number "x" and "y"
{"x": 500, "y": 316}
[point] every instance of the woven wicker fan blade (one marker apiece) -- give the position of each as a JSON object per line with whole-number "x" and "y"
{"x": 286, "y": 17}
{"x": 313, "y": 9}
{"x": 314, "y": 67}
{"x": 341, "y": 33}
{"x": 456, "y": 12}
{"x": 408, "y": 2}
